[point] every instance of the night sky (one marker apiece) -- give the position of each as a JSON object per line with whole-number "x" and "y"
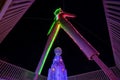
{"x": 25, "y": 43}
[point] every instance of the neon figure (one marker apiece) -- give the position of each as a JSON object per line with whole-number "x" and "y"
{"x": 90, "y": 52}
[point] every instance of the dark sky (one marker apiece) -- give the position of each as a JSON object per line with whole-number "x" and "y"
{"x": 25, "y": 43}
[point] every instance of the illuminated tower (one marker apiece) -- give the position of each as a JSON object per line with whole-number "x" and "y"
{"x": 57, "y": 70}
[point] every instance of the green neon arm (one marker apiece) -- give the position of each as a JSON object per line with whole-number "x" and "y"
{"x": 57, "y": 11}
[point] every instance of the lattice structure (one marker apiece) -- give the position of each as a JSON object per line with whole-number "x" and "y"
{"x": 10, "y": 13}
{"x": 94, "y": 75}
{"x": 112, "y": 13}
{"x": 12, "y": 72}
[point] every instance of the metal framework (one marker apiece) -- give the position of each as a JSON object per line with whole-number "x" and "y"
{"x": 112, "y": 14}
{"x": 91, "y": 53}
{"x": 11, "y": 12}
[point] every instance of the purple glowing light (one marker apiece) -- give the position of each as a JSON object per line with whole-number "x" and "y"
{"x": 57, "y": 70}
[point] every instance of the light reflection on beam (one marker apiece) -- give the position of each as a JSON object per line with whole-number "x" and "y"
{"x": 48, "y": 46}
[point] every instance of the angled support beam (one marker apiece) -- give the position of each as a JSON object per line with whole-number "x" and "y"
{"x": 47, "y": 49}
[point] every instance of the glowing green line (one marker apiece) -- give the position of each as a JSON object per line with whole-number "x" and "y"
{"x": 57, "y": 11}
{"x": 51, "y": 27}
{"x": 49, "y": 48}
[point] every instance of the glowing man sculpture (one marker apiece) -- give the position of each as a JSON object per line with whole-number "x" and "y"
{"x": 90, "y": 52}
{"x": 57, "y": 70}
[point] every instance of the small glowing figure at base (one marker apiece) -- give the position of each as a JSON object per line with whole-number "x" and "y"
{"x": 57, "y": 70}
